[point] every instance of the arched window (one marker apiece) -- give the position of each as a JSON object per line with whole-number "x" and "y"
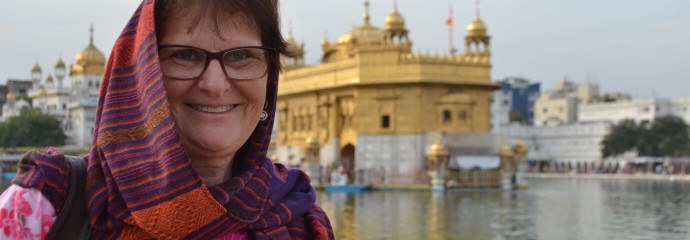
{"x": 446, "y": 117}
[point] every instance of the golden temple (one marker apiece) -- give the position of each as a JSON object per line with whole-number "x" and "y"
{"x": 371, "y": 101}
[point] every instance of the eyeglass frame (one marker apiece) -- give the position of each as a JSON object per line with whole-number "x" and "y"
{"x": 219, "y": 56}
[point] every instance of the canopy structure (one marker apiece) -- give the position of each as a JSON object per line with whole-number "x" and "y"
{"x": 470, "y": 162}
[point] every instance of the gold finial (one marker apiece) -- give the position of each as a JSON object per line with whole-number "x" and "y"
{"x": 91, "y": 35}
{"x": 290, "y": 28}
{"x": 366, "y": 12}
{"x": 477, "y": 8}
{"x": 395, "y": 4}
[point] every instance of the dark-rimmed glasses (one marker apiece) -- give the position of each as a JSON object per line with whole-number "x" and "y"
{"x": 189, "y": 62}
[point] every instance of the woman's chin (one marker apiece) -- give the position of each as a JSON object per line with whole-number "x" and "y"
{"x": 211, "y": 148}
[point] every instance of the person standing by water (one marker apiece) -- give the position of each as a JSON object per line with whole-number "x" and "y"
{"x": 184, "y": 120}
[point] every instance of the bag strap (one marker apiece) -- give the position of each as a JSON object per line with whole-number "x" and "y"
{"x": 72, "y": 222}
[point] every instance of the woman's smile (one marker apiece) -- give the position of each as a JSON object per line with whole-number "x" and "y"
{"x": 210, "y": 109}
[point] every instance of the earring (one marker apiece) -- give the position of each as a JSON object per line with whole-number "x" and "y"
{"x": 264, "y": 116}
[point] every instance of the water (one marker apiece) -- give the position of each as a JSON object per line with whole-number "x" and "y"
{"x": 550, "y": 209}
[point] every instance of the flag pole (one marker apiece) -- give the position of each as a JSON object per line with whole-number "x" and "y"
{"x": 449, "y": 22}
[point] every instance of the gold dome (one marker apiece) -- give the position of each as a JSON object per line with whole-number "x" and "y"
{"x": 520, "y": 147}
{"x": 49, "y": 78}
{"x": 366, "y": 34}
{"x": 10, "y": 96}
{"x": 36, "y": 68}
{"x": 89, "y": 61}
{"x": 395, "y": 21}
{"x": 519, "y": 143}
{"x": 506, "y": 151}
{"x": 363, "y": 35}
{"x": 90, "y": 56}
{"x": 325, "y": 44}
{"x": 437, "y": 147}
{"x": 60, "y": 63}
{"x": 476, "y": 27}
{"x": 291, "y": 44}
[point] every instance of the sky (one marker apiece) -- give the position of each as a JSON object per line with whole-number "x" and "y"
{"x": 640, "y": 47}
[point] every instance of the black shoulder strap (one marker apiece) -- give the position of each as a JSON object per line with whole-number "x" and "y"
{"x": 72, "y": 221}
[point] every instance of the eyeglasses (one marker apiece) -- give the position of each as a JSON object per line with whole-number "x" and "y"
{"x": 188, "y": 62}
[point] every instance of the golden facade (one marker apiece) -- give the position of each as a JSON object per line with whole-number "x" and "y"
{"x": 371, "y": 84}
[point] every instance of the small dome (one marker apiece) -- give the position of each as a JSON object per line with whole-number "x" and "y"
{"x": 10, "y": 96}
{"x": 519, "y": 143}
{"x": 49, "y": 78}
{"x": 506, "y": 151}
{"x": 36, "y": 68}
{"x": 520, "y": 147}
{"x": 291, "y": 44}
{"x": 363, "y": 35}
{"x": 395, "y": 21}
{"x": 366, "y": 34}
{"x": 476, "y": 27}
{"x": 42, "y": 91}
{"x": 437, "y": 147}
{"x": 60, "y": 64}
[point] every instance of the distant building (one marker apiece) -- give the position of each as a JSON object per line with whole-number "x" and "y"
{"x": 14, "y": 88}
{"x": 513, "y": 102}
{"x": 641, "y": 110}
{"x": 74, "y": 105}
{"x": 681, "y": 108}
{"x": 559, "y": 106}
{"x": 19, "y": 87}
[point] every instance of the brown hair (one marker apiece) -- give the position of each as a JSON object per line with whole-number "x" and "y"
{"x": 263, "y": 12}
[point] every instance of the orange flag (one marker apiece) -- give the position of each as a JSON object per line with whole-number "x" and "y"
{"x": 449, "y": 22}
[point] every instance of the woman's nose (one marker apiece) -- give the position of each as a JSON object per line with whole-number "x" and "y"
{"x": 213, "y": 81}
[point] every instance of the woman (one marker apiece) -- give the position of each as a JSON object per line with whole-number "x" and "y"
{"x": 179, "y": 147}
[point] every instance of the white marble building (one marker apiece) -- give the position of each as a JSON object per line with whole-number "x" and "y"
{"x": 639, "y": 109}
{"x": 74, "y": 105}
{"x": 568, "y": 143}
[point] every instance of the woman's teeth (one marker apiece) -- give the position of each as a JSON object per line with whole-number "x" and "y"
{"x": 213, "y": 109}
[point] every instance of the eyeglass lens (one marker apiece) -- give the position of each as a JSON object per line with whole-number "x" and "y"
{"x": 188, "y": 63}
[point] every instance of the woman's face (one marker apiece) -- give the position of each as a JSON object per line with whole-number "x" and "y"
{"x": 215, "y": 115}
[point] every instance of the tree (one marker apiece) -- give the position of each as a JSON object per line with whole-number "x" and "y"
{"x": 622, "y": 137}
{"x": 665, "y": 137}
{"x": 31, "y": 128}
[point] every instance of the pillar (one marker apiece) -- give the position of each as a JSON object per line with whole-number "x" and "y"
{"x": 438, "y": 166}
{"x": 311, "y": 163}
{"x": 506, "y": 160}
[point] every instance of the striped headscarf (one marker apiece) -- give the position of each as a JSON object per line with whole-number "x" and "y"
{"x": 140, "y": 181}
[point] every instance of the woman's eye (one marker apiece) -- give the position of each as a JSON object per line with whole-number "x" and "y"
{"x": 187, "y": 56}
{"x": 239, "y": 55}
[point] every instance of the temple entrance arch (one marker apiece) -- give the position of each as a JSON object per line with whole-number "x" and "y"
{"x": 347, "y": 161}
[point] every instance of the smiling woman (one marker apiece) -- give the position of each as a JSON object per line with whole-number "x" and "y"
{"x": 184, "y": 121}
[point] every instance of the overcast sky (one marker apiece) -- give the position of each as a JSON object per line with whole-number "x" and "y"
{"x": 633, "y": 46}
